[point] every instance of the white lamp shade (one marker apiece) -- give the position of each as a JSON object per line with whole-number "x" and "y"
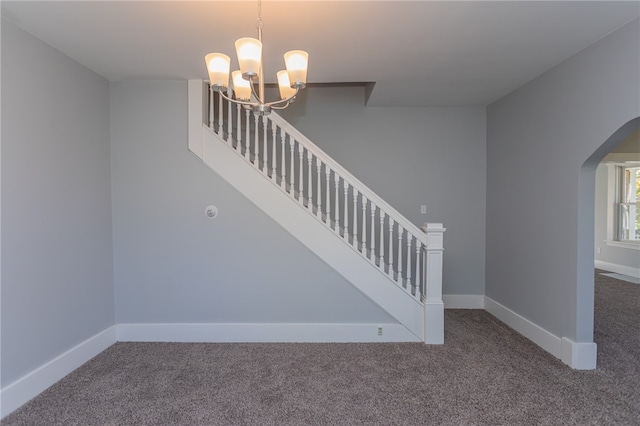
{"x": 249, "y": 51}
{"x": 241, "y": 86}
{"x": 286, "y": 91}
{"x": 218, "y": 68}
{"x": 297, "y": 61}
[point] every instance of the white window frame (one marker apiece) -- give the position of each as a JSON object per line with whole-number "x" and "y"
{"x": 614, "y": 197}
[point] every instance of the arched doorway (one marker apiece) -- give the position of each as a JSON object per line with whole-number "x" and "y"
{"x": 586, "y": 216}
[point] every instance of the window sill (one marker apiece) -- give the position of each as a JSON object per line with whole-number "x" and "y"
{"x": 633, "y": 245}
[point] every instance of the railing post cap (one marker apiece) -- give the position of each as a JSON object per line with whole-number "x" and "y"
{"x": 433, "y": 227}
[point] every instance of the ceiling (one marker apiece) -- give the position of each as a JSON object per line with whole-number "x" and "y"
{"x": 417, "y": 52}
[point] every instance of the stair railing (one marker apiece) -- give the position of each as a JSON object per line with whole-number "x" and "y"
{"x": 347, "y": 207}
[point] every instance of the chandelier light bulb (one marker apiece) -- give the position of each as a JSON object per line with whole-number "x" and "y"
{"x": 241, "y": 87}
{"x": 297, "y": 62}
{"x": 218, "y": 68}
{"x": 249, "y": 51}
{"x": 286, "y": 91}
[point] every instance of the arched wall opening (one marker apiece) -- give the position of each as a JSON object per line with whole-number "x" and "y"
{"x": 585, "y": 289}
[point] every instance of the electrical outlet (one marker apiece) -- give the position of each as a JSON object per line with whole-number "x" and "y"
{"x": 598, "y": 250}
{"x": 423, "y": 209}
{"x": 379, "y": 331}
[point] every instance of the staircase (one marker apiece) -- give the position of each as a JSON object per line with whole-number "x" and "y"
{"x": 375, "y": 248}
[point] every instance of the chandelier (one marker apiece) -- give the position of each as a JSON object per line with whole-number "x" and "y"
{"x": 251, "y": 73}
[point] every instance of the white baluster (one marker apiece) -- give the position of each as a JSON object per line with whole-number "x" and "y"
{"x": 381, "y": 246}
{"x": 265, "y": 165}
{"x": 297, "y": 193}
{"x": 256, "y": 142}
{"x": 319, "y": 193}
{"x": 418, "y": 274}
{"x": 336, "y": 206}
{"x": 372, "y": 252}
{"x": 400, "y": 231}
{"x": 274, "y": 129}
{"x": 391, "y": 271}
{"x": 346, "y": 210}
{"x": 364, "y": 226}
{"x": 229, "y": 123}
{"x": 309, "y": 195}
{"x": 327, "y": 195}
{"x": 220, "y": 121}
{"x": 408, "y": 270}
{"x": 211, "y": 107}
{"x": 355, "y": 219}
{"x": 283, "y": 142}
{"x": 247, "y": 140}
{"x": 300, "y": 174}
{"x": 239, "y": 130}
{"x": 292, "y": 171}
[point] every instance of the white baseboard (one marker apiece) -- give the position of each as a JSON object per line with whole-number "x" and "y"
{"x": 618, "y": 269}
{"x": 538, "y": 335}
{"x": 463, "y": 301}
{"x": 576, "y": 355}
{"x": 580, "y": 356}
{"x": 284, "y": 333}
{"x": 27, "y": 387}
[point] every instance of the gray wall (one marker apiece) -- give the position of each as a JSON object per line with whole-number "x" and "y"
{"x": 57, "y": 284}
{"x": 543, "y": 143}
{"x": 172, "y": 264}
{"x": 411, "y": 156}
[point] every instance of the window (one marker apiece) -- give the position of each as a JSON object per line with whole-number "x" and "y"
{"x": 628, "y": 205}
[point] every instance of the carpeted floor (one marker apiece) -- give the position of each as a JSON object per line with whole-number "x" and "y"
{"x": 484, "y": 374}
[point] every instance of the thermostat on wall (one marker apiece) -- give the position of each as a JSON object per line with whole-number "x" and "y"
{"x": 211, "y": 212}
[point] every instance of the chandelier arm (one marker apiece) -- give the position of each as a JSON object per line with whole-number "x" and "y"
{"x": 287, "y": 100}
{"x": 253, "y": 91}
{"x": 281, "y": 106}
{"x": 235, "y": 100}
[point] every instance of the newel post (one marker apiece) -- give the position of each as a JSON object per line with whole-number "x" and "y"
{"x": 433, "y": 305}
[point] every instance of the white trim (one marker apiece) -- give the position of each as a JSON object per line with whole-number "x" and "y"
{"x": 194, "y": 113}
{"x": 581, "y": 356}
{"x": 264, "y": 333}
{"x": 434, "y": 322}
{"x": 27, "y": 387}
{"x": 631, "y": 245}
{"x": 463, "y": 301}
{"x": 538, "y": 335}
{"x": 578, "y": 355}
{"x": 618, "y": 269}
{"x": 341, "y": 255}
{"x": 611, "y": 201}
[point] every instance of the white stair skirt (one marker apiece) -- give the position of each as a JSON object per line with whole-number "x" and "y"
{"x": 313, "y": 233}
